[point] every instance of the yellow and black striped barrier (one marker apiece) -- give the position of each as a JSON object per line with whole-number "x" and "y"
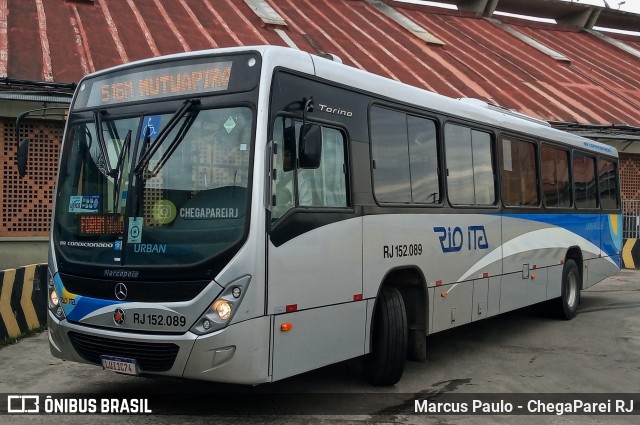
{"x": 23, "y": 300}
{"x": 631, "y": 254}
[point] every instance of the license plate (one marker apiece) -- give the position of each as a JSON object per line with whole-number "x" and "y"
{"x": 119, "y": 365}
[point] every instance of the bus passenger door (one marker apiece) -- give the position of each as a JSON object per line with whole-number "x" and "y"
{"x": 314, "y": 254}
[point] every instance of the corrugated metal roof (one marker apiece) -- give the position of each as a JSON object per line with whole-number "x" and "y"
{"x": 34, "y": 98}
{"x": 53, "y": 40}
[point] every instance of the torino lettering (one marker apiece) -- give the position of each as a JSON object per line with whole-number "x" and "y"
{"x": 336, "y": 111}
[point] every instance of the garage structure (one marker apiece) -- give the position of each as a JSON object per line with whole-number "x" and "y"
{"x": 569, "y": 70}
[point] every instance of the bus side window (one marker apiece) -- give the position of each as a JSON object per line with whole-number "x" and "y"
{"x": 608, "y": 184}
{"x": 519, "y": 177}
{"x": 325, "y": 186}
{"x": 405, "y": 158}
{"x": 470, "y": 173}
{"x": 556, "y": 188}
{"x": 583, "y": 168}
{"x": 327, "y": 183}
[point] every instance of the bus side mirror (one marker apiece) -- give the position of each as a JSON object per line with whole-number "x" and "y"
{"x": 310, "y": 146}
{"x": 21, "y": 159}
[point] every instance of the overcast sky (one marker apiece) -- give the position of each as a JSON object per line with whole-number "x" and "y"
{"x": 628, "y": 5}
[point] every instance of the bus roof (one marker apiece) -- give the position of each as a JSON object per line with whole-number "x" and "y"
{"x": 473, "y": 110}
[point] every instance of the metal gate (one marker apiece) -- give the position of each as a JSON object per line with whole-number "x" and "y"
{"x": 631, "y": 219}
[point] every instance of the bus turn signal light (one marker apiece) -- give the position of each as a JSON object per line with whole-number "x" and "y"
{"x": 285, "y": 327}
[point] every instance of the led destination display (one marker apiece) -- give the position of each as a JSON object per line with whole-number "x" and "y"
{"x": 163, "y": 80}
{"x": 160, "y": 83}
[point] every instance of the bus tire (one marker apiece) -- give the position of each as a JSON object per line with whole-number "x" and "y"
{"x": 567, "y": 304}
{"x": 385, "y": 364}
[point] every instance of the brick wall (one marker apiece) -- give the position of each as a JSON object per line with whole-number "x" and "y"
{"x": 630, "y": 176}
{"x": 26, "y": 203}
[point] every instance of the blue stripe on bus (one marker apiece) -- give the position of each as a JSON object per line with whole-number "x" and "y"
{"x": 603, "y": 230}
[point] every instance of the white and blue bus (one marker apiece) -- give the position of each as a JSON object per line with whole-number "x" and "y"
{"x": 243, "y": 215}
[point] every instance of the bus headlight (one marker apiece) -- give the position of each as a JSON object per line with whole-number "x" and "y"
{"x": 54, "y": 300}
{"x": 222, "y": 309}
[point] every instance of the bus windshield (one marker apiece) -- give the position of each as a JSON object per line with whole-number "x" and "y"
{"x": 165, "y": 189}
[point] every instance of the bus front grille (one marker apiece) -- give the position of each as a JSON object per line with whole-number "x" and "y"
{"x": 104, "y": 289}
{"x": 150, "y": 356}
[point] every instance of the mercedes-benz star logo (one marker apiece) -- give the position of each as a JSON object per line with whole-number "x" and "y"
{"x": 118, "y": 316}
{"x": 121, "y": 291}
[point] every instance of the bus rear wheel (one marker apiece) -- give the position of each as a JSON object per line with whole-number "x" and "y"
{"x": 567, "y": 304}
{"x": 385, "y": 364}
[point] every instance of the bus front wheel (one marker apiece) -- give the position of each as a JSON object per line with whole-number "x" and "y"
{"x": 567, "y": 304}
{"x": 385, "y": 364}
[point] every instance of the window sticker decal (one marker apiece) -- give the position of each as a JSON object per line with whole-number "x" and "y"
{"x": 84, "y": 203}
{"x": 164, "y": 211}
{"x": 134, "y": 235}
{"x": 151, "y": 127}
{"x": 229, "y": 124}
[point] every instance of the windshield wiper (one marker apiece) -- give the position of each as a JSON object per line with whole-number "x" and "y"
{"x": 117, "y": 178}
{"x": 97, "y": 119}
{"x": 153, "y": 148}
{"x": 186, "y": 125}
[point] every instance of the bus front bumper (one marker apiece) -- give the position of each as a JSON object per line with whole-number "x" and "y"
{"x": 236, "y": 354}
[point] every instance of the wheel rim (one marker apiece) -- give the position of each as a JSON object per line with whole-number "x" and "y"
{"x": 572, "y": 289}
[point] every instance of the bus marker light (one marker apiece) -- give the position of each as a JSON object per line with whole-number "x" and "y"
{"x": 236, "y": 292}
{"x": 485, "y": 275}
{"x": 291, "y": 307}
{"x": 444, "y": 294}
{"x": 438, "y": 283}
{"x": 533, "y": 277}
{"x": 535, "y": 266}
{"x": 286, "y": 327}
{"x": 357, "y": 297}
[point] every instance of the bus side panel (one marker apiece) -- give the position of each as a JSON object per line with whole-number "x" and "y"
{"x": 479, "y": 307}
{"x": 317, "y": 275}
{"x": 320, "y": 267}
{"x": 554, "y": 281}
{"x": 446, "y": 248}
{"x": 525, "y": 251}
{"x": 452, "y": 305}
{"x": 239, "y": 354}
{"x": 599, "y": 269}
{"x": 318, "y": 337}
{"x": 610, "y": 248}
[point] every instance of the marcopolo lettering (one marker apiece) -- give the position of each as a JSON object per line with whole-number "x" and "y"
{"x": 121, "y": 273}
{"x": 209, "y": 213}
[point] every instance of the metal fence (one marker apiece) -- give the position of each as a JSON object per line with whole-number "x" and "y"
{"x": 631, "y": 219}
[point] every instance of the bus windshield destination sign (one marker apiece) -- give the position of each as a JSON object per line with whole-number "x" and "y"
{"x": 159, "y": 83}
